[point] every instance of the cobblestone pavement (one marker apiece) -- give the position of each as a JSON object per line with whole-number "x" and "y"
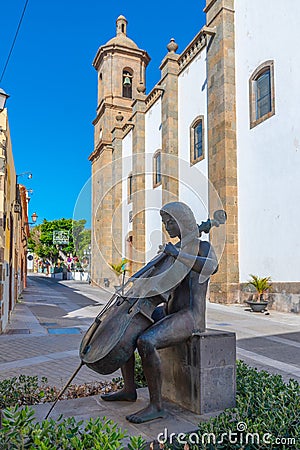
{"x": 48, "y": 306}
{"x": 46, "y": 329}
{"x": 31, "y": 346}
{"x": 266, "y": 341}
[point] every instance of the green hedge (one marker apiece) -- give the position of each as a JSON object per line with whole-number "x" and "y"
{"x": 266, "y": 417}
{"x": 19, "y": 431}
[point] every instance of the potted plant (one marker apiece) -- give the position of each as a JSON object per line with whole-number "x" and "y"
{"x": 262, "y": 285}
{"x": 119, "y": 270}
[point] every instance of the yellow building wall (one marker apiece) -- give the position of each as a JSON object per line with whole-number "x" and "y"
{"x": 10, "y": 234}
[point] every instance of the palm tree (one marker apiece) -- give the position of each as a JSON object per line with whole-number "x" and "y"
{"x": 119, "y": 268}
{"x": 261, "y": 284}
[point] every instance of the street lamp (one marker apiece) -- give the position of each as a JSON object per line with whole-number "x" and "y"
{"x": 17, "y": 206}
{"x": 24, "y": 173}
{"x": 3, "y": 97}
{"x": 34, "y": 217}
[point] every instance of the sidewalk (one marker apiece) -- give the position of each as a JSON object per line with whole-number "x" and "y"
{"x": 47, "y": 326}
{"x": 270, "y": 342}
{"x": 46, "y": 329}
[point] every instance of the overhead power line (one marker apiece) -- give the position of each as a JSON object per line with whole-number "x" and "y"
{"x": 14, "y": 41}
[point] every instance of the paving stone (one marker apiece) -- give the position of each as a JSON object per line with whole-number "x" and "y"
{"x": 178, "y": 419}
{"x": 272, "y": 342}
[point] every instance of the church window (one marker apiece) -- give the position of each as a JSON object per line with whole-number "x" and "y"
{"x": 157, "y": 168}
{"x": 262, "y": 98}
{"x": 197, "y": 140}
{"x": 127, "y": 84}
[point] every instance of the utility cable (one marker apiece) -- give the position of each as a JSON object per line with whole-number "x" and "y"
{"x": 14, "y": 41}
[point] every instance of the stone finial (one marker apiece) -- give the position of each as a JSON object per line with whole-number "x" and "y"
{"x": 172, "y": 46}
{"x": 119, "y": 117}
{"x": 141, "y": 88}
{"x": 121, "y": 25}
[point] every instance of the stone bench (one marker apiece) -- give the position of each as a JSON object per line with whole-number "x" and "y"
{"x": 200, "y": 374}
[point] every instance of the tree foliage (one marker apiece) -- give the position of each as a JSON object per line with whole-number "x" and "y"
{"x": 41, "y": 238}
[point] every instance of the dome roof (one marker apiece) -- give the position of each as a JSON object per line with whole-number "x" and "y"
{"x": 121, "y": 37}
{"x": 123, "y": 40}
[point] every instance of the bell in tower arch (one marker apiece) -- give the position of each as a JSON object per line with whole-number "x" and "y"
{"x": 127, "y": 84}
{"x": 127, "y": 81}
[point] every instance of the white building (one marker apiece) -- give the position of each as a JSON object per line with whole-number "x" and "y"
{"x": 219, "y": 130}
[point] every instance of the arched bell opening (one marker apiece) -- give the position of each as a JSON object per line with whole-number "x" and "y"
{"x": 127, "y": 79}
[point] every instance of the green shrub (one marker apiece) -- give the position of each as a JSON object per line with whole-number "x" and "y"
{"x": 22, "y": 390}
{"x": 264, "y": 405}
{"x": 29, "y": 390}
{"x": 139, "y": 376}
{"x": 20, "y": 431}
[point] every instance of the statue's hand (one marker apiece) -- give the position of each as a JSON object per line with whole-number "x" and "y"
{"x": 171, "y": 250}
{"x": 161, "y": 248}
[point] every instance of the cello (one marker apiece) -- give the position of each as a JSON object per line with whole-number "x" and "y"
{"x": 111, "y": 339}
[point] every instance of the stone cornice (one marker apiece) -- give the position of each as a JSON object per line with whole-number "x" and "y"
{"x": 153, "y": 96}
{"x": 104, "y": 106}
{"x": 93, "y": 156}
{"x": 170, "y": 58}
{"x": 209, "y": 4}
{"x": 117, "y": 48}
{"x": 127, "y": 128}
{"x": 215, "y": 7}
{"x": 194, "y": 48}
{"x": 138, "y": 106}
{"x": 98, "y": 149}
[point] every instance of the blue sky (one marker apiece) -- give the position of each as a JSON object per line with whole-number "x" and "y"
{"x": 53, "y": 86}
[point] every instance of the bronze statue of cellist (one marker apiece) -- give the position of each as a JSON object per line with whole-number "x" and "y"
{"x": 182, "y": 296}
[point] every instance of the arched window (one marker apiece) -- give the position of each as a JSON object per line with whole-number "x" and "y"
{"x": 261, "y": 91}
{"x": 197, "y": 140}
{"x": 127, "y": 83}
{"x": 129, "y": 188}
{"x": 157, "y": 168}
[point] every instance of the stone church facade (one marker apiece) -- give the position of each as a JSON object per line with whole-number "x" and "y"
{"x": 218, "y": 130}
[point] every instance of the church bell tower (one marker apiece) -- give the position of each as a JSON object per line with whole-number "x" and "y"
{"x": 121, "y": 68}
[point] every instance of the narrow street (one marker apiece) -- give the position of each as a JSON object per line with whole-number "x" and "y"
{"x": 47, "y": 326}
{"x": 46, "y": 329}
{"x": 265, "y": 341}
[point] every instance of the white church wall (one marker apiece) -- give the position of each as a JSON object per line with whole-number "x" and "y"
{"x": 192, "y": 98}
{"x": 126, "y": 170}
{"x": 153, "y": 196}
{"x": 269, "y": 153}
